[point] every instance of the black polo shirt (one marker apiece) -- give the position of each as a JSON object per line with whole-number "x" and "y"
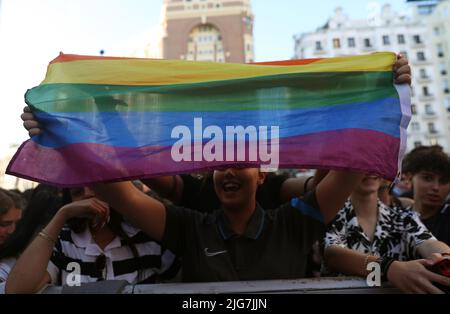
{"x": 275, "y": 244}
{"x": 439, "y": 224}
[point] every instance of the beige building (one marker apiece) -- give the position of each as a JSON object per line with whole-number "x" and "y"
{"x": 208, "y": 30}
{"x": 439, "y": 42}
{"x": 411, "y": 34}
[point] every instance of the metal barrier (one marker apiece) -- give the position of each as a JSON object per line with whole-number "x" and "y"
{"x": 335, "y": 285}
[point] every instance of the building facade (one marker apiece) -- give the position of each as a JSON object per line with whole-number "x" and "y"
{"x": 208, "y": 30}
{"x": 387, "y": 30}
{"x": 439, "y": 41}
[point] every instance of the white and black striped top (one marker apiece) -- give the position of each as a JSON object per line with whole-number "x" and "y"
{"x": 153, "y": 264}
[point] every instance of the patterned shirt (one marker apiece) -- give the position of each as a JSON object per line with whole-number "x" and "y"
{"x": 397, "y": 235}
{"x": 119, "y": 263}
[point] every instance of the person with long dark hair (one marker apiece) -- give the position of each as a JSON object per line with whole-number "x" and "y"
{"x": 9, "y": 215}
{"x": 96, "y": 238}
{"x": 42, "y": 205}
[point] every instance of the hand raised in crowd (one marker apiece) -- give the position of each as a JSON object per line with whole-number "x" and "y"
{"x": 31, "y": 278}
{"x": 414, "y": 277}
{"x": 91, "y": 208}
{"x": 29, "y": 122}
{"x": 402, "y": 71}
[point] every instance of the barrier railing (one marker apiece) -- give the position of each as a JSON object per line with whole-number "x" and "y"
{"x": 335, "y": 285}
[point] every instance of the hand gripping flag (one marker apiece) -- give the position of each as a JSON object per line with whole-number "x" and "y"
{"x": 110, "y": 119}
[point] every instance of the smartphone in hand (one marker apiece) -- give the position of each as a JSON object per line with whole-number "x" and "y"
{"x": 442, "y": 268}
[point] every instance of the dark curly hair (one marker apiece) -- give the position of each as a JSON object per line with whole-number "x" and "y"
{"x": 428, "y": 158}
{"x": 6, "y": 203}
{"x": 43, "y": 205}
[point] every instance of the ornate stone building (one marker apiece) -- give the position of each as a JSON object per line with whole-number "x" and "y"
{"x": 208, "y": 30}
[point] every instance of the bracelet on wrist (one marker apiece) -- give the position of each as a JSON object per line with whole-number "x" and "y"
{"x": 45, "y": 236}
{"x": 305, "y": 185}
{"x": 385, "y": 263}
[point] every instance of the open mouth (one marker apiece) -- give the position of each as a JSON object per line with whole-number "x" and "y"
{"x": 434, "y": 198}
{"x": 231, "y": 186}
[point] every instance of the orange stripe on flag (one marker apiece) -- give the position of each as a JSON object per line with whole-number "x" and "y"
{"x": 288, "y": 62}
{"x": 69, "y": 57}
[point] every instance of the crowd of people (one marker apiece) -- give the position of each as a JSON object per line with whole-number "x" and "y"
{"x": 233, "y": 224}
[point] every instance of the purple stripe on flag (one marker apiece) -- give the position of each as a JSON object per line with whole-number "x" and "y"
{"x": 84, "y": 164}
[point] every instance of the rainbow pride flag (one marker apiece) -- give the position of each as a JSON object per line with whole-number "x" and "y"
{"x": 111, "y": 119}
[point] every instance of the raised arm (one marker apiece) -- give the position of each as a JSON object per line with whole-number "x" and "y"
{"x": 295, "y": 187}
{"x": 29, "y": 274}
{"x": 141, "y": 210}
{"x": 169, "y": 187}
{"x": 333, "y": 191}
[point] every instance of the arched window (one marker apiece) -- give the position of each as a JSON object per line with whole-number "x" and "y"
{"x": 205, "y": 44}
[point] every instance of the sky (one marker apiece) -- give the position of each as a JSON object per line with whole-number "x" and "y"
{"x": 32, "y": 33}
